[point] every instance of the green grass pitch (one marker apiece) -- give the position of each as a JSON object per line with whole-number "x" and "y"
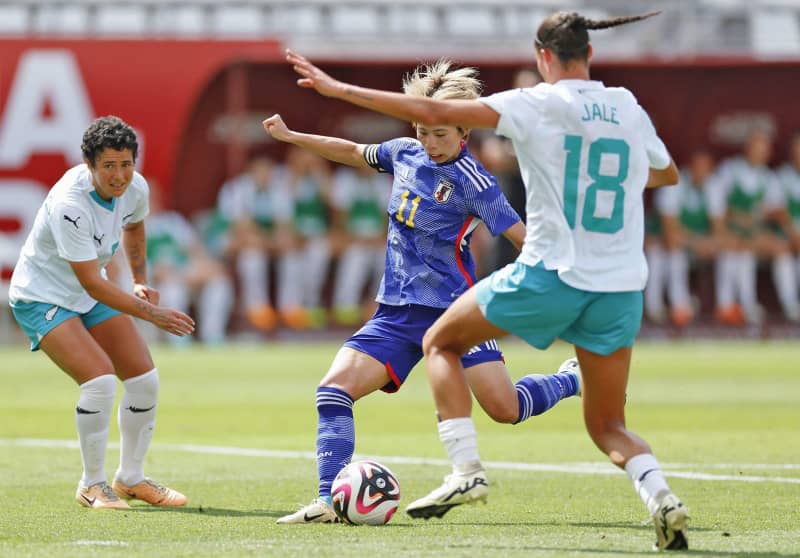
{"x": 236, "y": 429}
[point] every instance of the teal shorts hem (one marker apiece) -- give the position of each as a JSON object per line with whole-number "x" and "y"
{"x": 37, "y": 319}
{"x": 534, "y": 304}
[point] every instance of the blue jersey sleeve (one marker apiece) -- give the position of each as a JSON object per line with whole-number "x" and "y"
{"x": 484, "y": 197}
{"x": 382, "y": 156}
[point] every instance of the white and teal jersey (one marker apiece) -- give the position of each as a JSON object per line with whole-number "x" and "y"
{"x": 363, "y": 199}
{"x": 170, "y": 238}
{"x": 686, "y": 202}
{"x": 738, "y": 188}
{"x": 789, "y": 176}
{"x": 241, "y": 198}
{"x": 74, "y": 224}
{"x": 585, "y": 152}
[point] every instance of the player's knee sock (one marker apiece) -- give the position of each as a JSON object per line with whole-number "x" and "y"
{"x": 92, "y": 415}
{"x": 746, "y": 269}
{"x": 461, "y": 444}
{"x": 251, "y": 267}
{"x": 724, "y": 279}
{"x": 137, "y": 418}
{"x": 648, "y": 480}
{"x": 336, "y": 436}
{"x": 175, "y": 294}
{"x": 214, "y": 309}
{"x": 351, "y": 274}
{"x": 786, "y": 285}
{"x": 316, "y": 261}
{"x": 536, "y": 393}
{"x": 678, "y": 286}
{"x": 654, "y": 291}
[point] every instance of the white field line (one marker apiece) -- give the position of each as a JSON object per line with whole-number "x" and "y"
{"x": 599, "y": 468}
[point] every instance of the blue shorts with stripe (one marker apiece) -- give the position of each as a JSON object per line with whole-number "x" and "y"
{"x": 535, "y": 304}
{"x": 37, "y": 319}
{"x": 393, "y": 336}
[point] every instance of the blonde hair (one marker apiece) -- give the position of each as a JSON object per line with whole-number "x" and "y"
{"x": 438, "y": 81}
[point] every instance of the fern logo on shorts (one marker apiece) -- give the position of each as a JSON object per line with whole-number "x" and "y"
{"x": 50, "y": 314}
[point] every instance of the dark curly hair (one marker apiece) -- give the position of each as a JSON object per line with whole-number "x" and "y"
{"x": 108, "y": 131}
{"x": 566, "y": 33}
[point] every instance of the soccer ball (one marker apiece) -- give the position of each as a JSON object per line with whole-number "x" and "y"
{"x": 365, "y": 493}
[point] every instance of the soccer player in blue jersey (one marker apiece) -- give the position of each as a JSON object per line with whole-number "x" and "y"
{"x": 586, "y": 153}
{"x": 439, "y": 195}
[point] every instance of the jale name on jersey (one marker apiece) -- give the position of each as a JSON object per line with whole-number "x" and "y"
{"x": 599, "y": 111}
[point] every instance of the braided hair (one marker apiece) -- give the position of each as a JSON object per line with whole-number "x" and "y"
{"x": 566, "y": 33}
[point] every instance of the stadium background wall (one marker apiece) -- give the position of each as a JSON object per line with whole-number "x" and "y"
{"x": 197, "y": 105}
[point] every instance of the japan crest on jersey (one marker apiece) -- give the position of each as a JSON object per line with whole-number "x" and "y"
{"x": 442, "y": 192}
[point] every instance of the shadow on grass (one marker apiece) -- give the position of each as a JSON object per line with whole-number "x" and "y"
{"x": 223, "y": 512}
{"x": 594, "y": 525}
{"x": 620, "y": 552}
{"x": 210, "y": 511}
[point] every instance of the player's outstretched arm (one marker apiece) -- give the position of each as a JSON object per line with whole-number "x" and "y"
{"x": 663, "y": 177}
{"x": 412, "y": 108}
{"x": 337, "y": 150}
{"x": 102, "y": 290}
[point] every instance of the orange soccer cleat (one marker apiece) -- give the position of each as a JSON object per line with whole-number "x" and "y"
{"x": 99, "y": 496}
{"x": 150, "y": 492}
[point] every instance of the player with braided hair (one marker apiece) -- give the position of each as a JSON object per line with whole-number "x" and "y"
{"x": 586, "y": 153}
{"x": 440, "y": 194}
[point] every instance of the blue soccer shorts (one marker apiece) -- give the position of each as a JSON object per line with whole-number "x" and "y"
{"x": 535, "y": 304}
{"x": 37, "y": 319}
{"x": 393, "y": 336}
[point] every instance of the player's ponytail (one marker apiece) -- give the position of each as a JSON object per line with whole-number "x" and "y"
{"x": 566, "y": 33}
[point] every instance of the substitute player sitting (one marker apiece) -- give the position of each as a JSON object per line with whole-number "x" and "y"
{"x": 64, "y": 303}
{"x": 440, "y": 194}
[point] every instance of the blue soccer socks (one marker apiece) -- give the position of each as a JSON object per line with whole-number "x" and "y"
{"x": 336, "y": 436}
{"x": 537, "y": 393}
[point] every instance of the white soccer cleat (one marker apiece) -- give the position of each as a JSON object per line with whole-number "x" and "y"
{"x": 457, "y": 489}
{"x": 318, "y": 511}
{"x": 571, "y": 366}
{"x": 99, "y": 496}
{"x": 671, "y": 520}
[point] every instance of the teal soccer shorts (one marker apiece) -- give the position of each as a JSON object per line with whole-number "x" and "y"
{"x": 37, "y": 319}
{"x": 535, "y": 304}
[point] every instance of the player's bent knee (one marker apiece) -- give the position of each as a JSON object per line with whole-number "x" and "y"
{"x": 504, "y": 414}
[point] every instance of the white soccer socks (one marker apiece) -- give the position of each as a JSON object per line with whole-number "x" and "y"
{"x": 137, "y": 417}
{"x": 92, "y": 415}
{"x": 461, "y": 443}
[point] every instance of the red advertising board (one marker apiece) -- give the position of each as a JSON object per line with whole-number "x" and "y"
{"x": 51, "y": 90}
{"x": 197, "y": 105}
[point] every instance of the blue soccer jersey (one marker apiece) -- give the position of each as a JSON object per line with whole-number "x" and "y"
{"x": 432, "y": 212}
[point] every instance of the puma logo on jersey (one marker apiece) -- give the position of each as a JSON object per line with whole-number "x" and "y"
{"x": 50, "y": 314}
{"x": 99, "y": 240}
{"x": 442, "y": 192}
{"x": 73, "y": 221}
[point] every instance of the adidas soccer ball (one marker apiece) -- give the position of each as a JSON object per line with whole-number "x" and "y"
{"x": 365, "y": 493}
